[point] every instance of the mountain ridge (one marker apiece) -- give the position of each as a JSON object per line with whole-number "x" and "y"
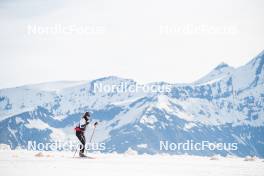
{"x": 230, "y": 109}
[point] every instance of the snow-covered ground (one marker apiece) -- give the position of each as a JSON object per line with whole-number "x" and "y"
{"x": 27, "y": 163}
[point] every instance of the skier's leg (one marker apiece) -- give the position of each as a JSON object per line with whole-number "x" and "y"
{"x": 83, "y": 142}
{"x": 81, "y": 138}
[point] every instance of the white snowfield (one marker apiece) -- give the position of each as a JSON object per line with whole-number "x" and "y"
{"x": 29, "y": 163}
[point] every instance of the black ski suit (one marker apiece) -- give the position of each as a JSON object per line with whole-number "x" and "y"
{"x": 80, "y": 129}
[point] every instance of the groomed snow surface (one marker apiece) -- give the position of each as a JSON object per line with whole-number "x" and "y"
{"x": 32, "y": 163}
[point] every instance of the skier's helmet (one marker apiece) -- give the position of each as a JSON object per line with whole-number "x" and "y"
{"x": 87, "y": 114}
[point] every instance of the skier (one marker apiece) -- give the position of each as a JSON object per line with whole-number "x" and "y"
{"x": 80, "y": 129}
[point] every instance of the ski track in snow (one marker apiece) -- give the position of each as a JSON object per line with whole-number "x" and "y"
{"x": 17, "y": 163}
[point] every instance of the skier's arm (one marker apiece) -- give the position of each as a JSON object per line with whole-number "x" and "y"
{"x": 83, "y": 124}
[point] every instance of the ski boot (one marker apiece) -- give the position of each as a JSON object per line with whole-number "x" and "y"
{"x": 82, "y": 154}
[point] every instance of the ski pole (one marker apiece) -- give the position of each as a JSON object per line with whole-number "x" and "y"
{"x": 75, "y": 152}
{"x": 92, "y": 134}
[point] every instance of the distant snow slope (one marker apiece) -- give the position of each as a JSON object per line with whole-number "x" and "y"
{"x": 54, "y": 86}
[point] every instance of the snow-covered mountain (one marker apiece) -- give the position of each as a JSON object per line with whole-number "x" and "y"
{"x": 222, "y": 70}
{"x": 227, "y": 105}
